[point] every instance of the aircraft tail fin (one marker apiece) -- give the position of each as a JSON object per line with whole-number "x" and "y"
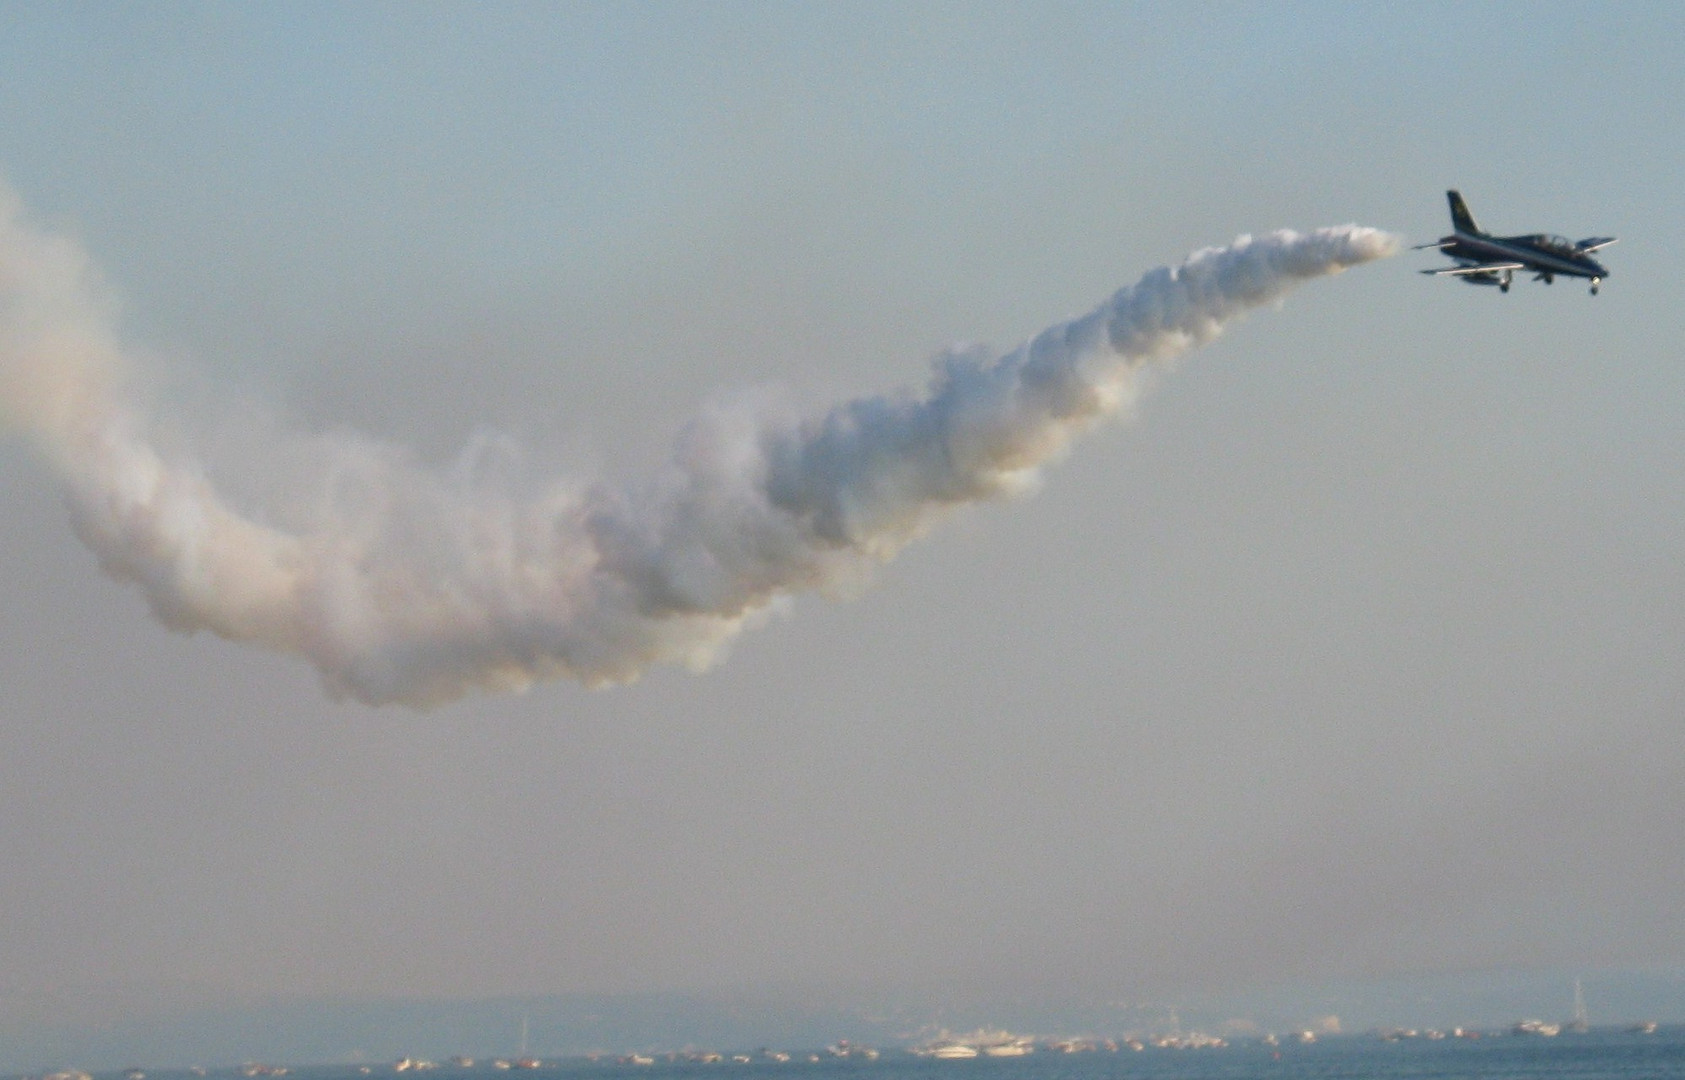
{"x": 1461, "y": 219}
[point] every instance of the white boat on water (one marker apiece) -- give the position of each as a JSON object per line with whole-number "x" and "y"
{"x": 953, "y": 1051}
{"x": 1017, "y": 1048}
{"x": 1536, "y": 1027}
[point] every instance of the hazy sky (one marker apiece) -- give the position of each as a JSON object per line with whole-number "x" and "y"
{"x": 1359, "y": 649}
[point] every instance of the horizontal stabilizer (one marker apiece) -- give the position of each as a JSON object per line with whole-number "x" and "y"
{"x": 1436, "y": 244}
{"x": 1592, "y": 243}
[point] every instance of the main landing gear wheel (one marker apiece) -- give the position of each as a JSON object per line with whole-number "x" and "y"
{"x": 1595, "y": 282}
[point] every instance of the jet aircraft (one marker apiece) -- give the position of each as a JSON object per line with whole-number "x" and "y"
{"x": 1484, "y": 259}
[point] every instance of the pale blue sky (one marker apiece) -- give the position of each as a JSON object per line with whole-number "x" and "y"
{"x": 1358, "y": 651}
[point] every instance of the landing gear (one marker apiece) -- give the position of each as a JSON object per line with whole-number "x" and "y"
{"x": 1595, "y": 282}
{"x": 1503, "y": 281}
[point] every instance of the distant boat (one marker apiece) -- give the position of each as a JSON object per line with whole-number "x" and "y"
{"x": 1536, "y": 1027}
{"x": 1646, "y": 1027}
{"x": 1579, "y": 1025}
{"x": 1010, "y": 1049}
{"x": 953, "y": 1051}
{"x": 523, "y": 1061}
{"x": 842, "y": 1048}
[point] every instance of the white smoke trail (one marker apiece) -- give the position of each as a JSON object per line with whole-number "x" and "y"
{"x": 417, "y": 588}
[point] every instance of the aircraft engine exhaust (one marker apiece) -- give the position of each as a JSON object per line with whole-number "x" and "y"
{"x": 420, "y": 586}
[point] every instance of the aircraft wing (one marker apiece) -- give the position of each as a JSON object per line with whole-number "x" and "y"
{"x": 1478, "y": 268}
{"x": 1592, "y": 243}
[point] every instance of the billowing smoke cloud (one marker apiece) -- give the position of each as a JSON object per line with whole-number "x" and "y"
{"x": 417, "y": 587}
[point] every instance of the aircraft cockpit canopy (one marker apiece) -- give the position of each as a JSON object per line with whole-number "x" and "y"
{"x": 1560, "y": 244}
